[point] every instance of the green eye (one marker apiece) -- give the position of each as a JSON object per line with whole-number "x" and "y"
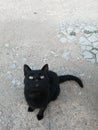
{"x": 31, "y": 77}
{"x": 42, "y": 77}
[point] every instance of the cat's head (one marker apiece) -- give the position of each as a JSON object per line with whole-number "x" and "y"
{"x": 36, "y": 79}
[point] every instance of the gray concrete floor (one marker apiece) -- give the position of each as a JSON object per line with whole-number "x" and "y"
{"x": 29, "y": 34}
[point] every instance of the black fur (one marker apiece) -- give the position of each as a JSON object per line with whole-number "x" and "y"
{"x": 42, "y": 86}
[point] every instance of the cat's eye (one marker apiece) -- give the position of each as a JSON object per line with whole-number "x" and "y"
{"x": 31, "y": 77}
{"x": 42, "y": 77}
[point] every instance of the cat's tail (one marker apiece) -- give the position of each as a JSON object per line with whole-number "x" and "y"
{"x": 70, "y": 77}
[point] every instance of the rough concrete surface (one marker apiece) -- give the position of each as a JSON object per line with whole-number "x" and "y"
{"x": 34, "y": 32}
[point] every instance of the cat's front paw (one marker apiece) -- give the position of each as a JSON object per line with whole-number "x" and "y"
{"x": 30, "y": 109}
{"x": 39, "y": 117}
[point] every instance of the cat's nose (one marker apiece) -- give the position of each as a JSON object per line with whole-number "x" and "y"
{"x": 37, "y": 85}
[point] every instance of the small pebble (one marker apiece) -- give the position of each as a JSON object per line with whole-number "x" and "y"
{"x": 13, "y": 66}
{"x": 52, "y": 52}
{"x": 89, "y": 76}
{"x": 79, "y": 93}
{"x": 82, "y": 74}
{"x": 78, "y": 58}
{"x": 6, "y": 45}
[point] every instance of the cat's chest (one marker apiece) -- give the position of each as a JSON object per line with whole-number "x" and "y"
{"x": 37, "y": 98}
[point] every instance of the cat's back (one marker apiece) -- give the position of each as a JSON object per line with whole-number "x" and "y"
{"x": 53, "y": 77}
{"x": 52, "y": 74}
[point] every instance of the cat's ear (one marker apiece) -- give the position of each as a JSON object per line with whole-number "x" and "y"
{"x": 26, "y": 69}
{"x": 45, "y": 68}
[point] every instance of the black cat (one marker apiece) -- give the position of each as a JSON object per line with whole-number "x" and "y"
{"x": 42, "y": 86}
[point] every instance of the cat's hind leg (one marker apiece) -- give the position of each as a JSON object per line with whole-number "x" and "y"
{"x": 54, "y": 97}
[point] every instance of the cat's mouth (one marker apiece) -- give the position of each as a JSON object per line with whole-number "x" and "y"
{"x": 33, "y": 96}
{"x": 35, "y": 90}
